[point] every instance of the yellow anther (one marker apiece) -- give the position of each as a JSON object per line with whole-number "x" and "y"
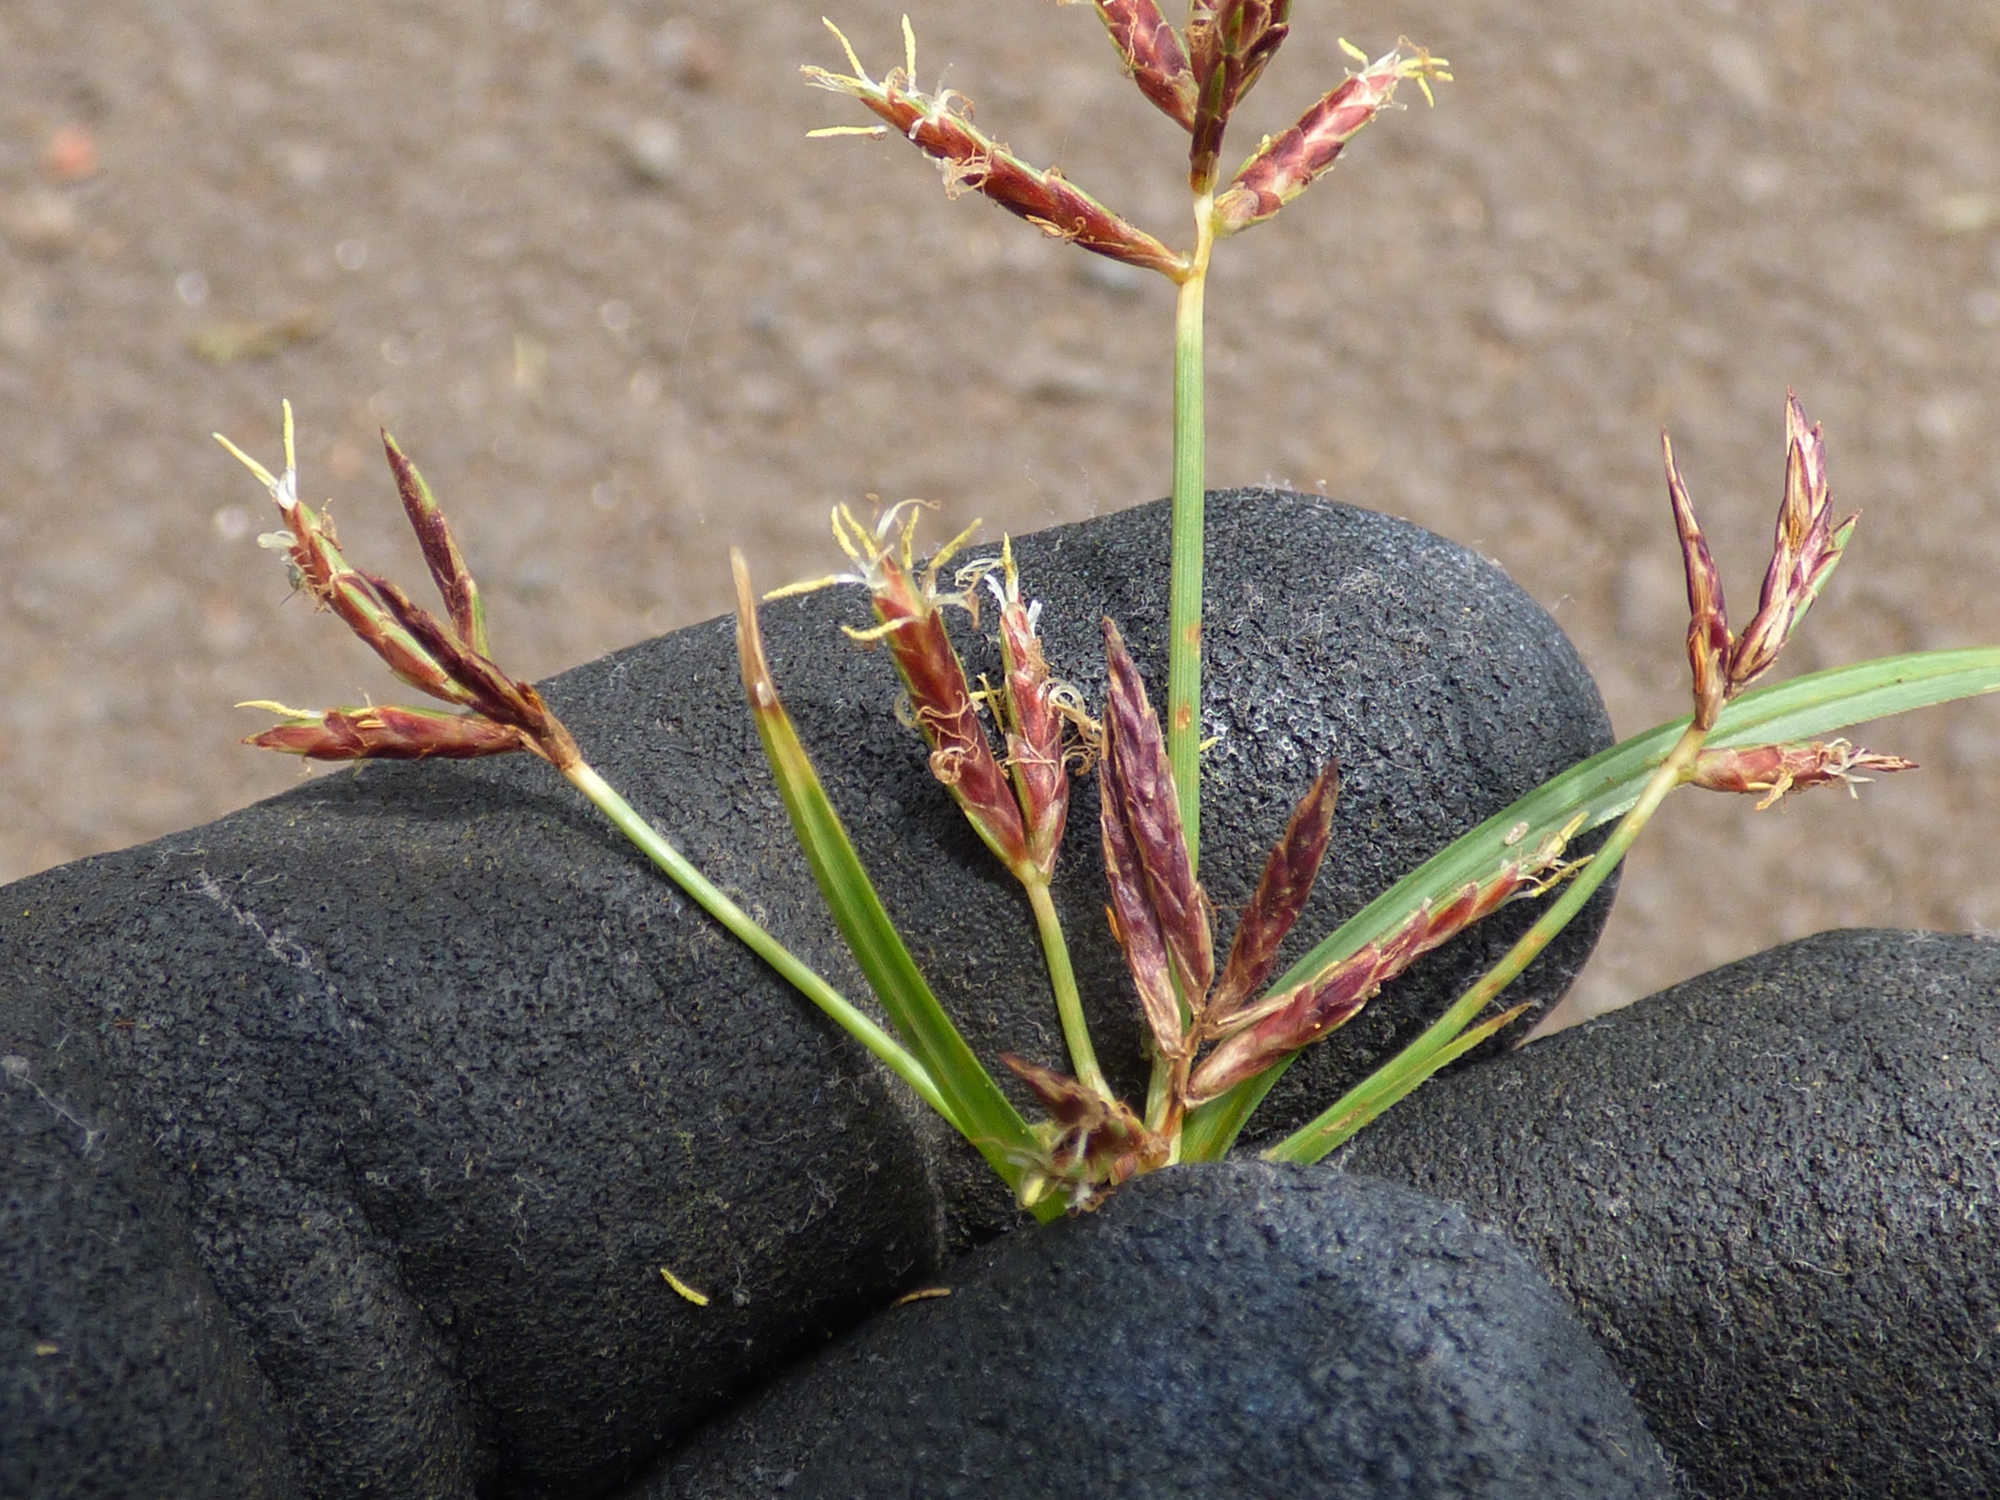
{"x": 264, "y": 475}
{"x": 853, "y": 62}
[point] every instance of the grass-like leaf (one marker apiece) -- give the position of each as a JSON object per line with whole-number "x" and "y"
{"x": 1605, "y": 787}
{"x": 977, "y": 1107}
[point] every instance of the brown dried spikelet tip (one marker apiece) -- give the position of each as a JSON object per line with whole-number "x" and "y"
{"x": 1289, "y": 872}
{"x": 1286, "y": 164}
{"x": 941, "y": 126}
{"x": 1769, "y": 772}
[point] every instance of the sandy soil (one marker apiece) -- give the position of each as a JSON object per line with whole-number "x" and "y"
{"x": 582, "y": 259}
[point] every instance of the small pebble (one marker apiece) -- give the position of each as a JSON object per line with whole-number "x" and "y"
{"x": 653, "y": 151}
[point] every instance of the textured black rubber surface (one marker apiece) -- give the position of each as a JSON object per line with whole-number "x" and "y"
{"x": 444, "y": 1073}
{"x": 1771, "y": 1192}
{"x": 1235, "y": 1330}
{"x": 122, "y": 1374}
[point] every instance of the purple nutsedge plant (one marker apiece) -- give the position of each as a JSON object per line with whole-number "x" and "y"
{"x": 1220, "y": 1029}
{"x": 1196, "y": 77}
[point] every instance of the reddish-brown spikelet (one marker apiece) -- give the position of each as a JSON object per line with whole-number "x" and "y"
{"x": 455, "y": 583}
{"x": 391, "y": 733}
{"x": 1281, "y": 895}
{"x": 1804, "y": 552}
{"x": 1709, "y": 643}
{"x": 1034, "y": 727}
{"x": 1095, "y": 1142}
{"x": 1769, "y": 772}
{"x": 1140, "y": 794}
{"x": 477, "y": 679}
{"x": 429, "y": 655}
{"x": 1152, "y": 53}
{"x": 1262, "y": 1034}
{"x": 323, "y": 572}
{"x": 941, "y": 700}
{"x": 1229, "y": 44}
{"x": 941, "y": 126}
{"x": 1286, "y": 164}
{"x": 1253, "y": 32}
{"x": 1135, "y": 922}
{"x": 355, "y": 599}
{"x": 1234, "y": 38}
{"x": 488, "y": 689}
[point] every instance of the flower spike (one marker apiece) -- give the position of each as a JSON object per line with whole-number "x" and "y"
{"x": 1770, "y": 772}
{"x": 1286, "y": 164}
{"x": 1709, "y": 642}
{"x": 384, "y": 732}
{"x": 1289, "y": 873}
{"x": 1142, "y": 819}
{"x": 1804, "y": 553}
{"x": 1033, "y": 708}
{"x": 454, "y": 579}
{"x": 1229, "y": 44}
{"x": 1259, "y": 1035}
{"x": 448, "y": 662}
{"x": 941, "y": 126}
{"x": 909, "y": 611}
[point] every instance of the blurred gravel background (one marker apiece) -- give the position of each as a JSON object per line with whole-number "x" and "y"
{"x": 583, "y": 261}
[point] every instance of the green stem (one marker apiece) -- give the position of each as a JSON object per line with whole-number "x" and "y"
{"x": 808, "y": 983}
{"x": 1156, "y": 1094}
{"x": 1387, "y": 1086}
{"x": 1062, "y": 978}
{"x": 1184, "y": 592}
{"x": 1433, "y": 1049}
{"x": 1672, "y": 772}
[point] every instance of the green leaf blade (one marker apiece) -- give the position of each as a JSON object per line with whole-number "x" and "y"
{"x": 984, "y": 1115}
